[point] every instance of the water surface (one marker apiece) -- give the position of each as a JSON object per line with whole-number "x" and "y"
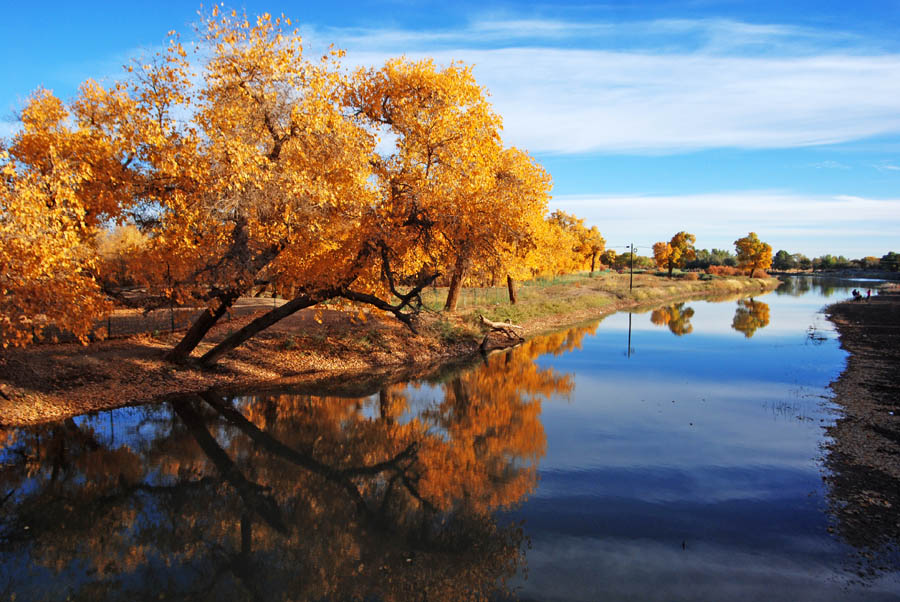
{"x": 673, "y": 454}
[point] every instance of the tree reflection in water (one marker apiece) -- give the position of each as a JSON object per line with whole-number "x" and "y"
{"x": 677, "y": 317}
{"x": 284, "y": 496}
{"x": 750, "y": 316}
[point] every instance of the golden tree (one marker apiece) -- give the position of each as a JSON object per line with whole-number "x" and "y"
{"x": 752, "y": 253}
{"x": 452, "y": 198}
{"x": 60, "y": 181}
{"x": 676, "y": 253}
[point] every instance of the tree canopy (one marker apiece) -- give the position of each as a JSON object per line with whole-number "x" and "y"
{"x": 752, "y": 253}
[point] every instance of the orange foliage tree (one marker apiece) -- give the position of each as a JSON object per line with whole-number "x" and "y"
{"x": 753, "y": 254}
{"x": 675, "y": 253}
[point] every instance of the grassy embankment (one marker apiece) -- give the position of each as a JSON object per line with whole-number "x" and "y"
{"x": 48, "y": 382}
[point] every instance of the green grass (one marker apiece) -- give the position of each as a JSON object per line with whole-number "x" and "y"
{"x": 571, "y": 294}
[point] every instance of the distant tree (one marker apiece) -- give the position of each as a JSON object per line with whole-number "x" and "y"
{"x": 867, "y": 263}
{"x": 722, "y": 257}
{"x": 676, "y": 253}
{"x": 802, "y": 261}
{"x": 623, "y": 261}
{"x": 608, "y": 257}
{"x": 890, "y": 262}
{"x": 784, "y": 261}
{"x": 752, "y": 253}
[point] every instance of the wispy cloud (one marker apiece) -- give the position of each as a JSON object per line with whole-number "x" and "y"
{"x": 571, "y": 88}
{"x": 887, "y": 166}
{"x": 829, "y": 165}
{"x": 837, "y": 224}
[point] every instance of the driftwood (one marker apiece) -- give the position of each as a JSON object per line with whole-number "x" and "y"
{"x": 512, "y": 331}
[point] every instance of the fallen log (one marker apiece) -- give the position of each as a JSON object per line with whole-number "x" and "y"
{"x": 510, "y": 330}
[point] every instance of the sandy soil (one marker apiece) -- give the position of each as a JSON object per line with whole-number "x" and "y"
{"x": 863, "y": 456}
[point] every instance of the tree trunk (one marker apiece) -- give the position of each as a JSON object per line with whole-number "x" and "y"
{"x": 208, "y": 319}
{"x": 511, "y": 287}
{"x": 593, "y": 263}
{"x": 258, "y": 325}
{"x": 455, "y": 286}
{"x": 202, "y": 325}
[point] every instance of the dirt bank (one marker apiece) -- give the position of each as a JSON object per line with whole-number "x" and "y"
{"x": 863, "y": 456}
{"x": 49, "y": 382}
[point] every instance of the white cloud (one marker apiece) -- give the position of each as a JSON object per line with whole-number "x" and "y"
{"x": 829, "y": 165}
{"x": 815, "y": 225}
{"x": 887, "y": 166}
{"x": 592, "y": 97}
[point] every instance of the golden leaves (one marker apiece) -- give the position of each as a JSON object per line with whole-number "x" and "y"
{"x": 752, "y": 253}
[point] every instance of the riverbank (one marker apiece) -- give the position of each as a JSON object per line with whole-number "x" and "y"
{"x": 863, "y": 456}
{"x": 50, "y": 382}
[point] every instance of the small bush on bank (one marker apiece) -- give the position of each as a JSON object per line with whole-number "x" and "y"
{"x": 691, "y": 276}
{"x": 723, "y": 270}
{"x": 759, "y": 274}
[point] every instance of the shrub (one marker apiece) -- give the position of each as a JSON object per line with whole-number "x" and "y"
{"x": 757, "y": 273}
{"x": 691, "y": 276}
{"x": 723, "y": 270}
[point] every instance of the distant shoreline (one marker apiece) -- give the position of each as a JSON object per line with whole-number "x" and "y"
{"x": 868, "y": 274}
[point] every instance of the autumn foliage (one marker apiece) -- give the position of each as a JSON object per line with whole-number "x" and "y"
{"x": 752, "y": 253}
{"x": 675, "y": 253}
{"x": 249, "y": 166}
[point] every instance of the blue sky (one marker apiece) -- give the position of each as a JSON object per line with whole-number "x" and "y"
{"x": 717, "y": 117}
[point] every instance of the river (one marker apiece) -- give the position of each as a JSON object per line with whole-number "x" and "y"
{"x": 674, "y": 454}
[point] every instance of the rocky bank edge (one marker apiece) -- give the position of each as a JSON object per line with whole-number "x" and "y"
{"x": 863, "y": 454}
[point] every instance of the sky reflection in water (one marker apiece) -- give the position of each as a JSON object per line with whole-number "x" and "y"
{"x": 685, "y": 468}
{"x": 688, "y": 469}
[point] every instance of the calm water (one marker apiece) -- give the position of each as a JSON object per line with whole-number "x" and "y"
{"x": 684, "y": 466}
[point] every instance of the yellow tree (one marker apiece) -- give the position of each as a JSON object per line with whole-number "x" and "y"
{"x": 752, "y": 253}
{"x": 60, "y": 180}
{"x": 587, "y": 242}
{"x": 676, "y": 253}
{"x": 608, "y": 257}
{"x": 451, "y": 196}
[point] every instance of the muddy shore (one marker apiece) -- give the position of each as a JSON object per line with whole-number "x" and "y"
{"x": 863, "y": 455}
{"x": 46, "y": 383}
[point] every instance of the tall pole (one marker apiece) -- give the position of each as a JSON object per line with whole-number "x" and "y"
{"x": 631, "y": 278}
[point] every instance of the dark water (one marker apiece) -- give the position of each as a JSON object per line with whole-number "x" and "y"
{"x": 684, "y": 466}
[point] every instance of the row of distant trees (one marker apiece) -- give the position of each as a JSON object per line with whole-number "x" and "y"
{"x": 784, "y": 260}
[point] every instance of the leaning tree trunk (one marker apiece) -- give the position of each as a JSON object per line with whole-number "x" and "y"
{"x": 202, "y": 325}
{"x": 511, "y": 287}
{"x": 237, "y": 338}
{"x": 238, "y": 253}
{"x": 455, "y": 286}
